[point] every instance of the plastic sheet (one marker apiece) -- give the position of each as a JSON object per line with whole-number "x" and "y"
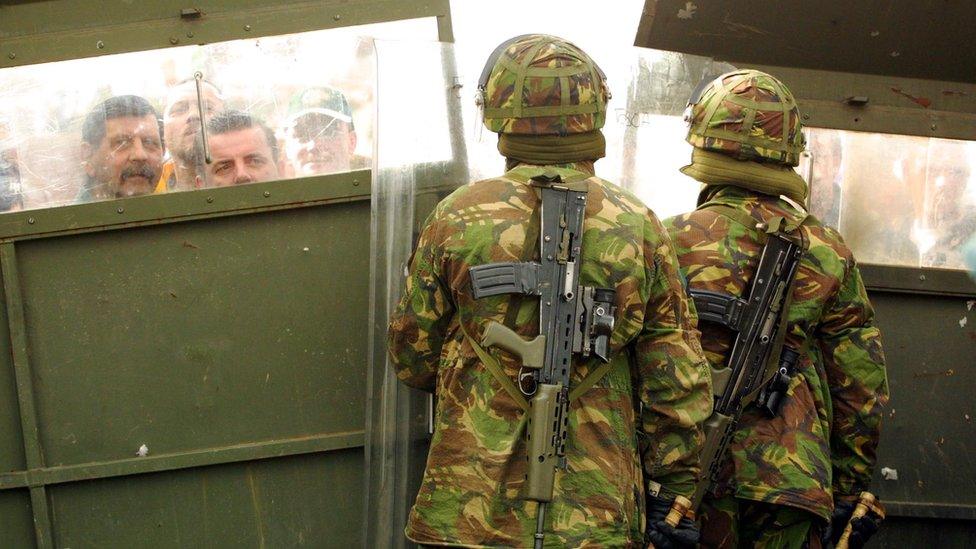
{"x": 319, "y": 113}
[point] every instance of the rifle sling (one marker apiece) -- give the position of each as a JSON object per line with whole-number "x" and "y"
{"x": 726, "y": 310}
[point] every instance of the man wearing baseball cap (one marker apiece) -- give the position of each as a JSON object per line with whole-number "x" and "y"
{"x": 320, "y": 136}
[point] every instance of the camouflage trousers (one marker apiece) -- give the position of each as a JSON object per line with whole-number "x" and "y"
{"x": 731, "y": 523}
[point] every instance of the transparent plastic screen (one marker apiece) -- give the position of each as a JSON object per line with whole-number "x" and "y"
{"x": 129, "y": 124}
{"x": 419, "y": 158}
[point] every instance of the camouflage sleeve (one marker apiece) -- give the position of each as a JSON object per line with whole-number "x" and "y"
{"x": 850, "y": 344}
{"x": 675, "y": 382}
{"x": 419, "y": 323}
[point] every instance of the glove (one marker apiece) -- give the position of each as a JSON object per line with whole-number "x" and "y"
{"x": 664, "y": 536}
{"x": 861, "y": 528}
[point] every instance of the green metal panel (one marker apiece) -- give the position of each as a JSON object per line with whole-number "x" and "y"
{"x": 930, "y": 424}
{"x": 56, "y": 30}
{"x": 16, "y": 522}
{"x": 232, "y": 325}
{"x": 310, "y": 500}
{"x": 225, "y": 330}
{"x": 914, "y": 38}
{"x": 11, "y": 438}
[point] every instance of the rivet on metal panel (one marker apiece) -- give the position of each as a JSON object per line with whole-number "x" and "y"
{"x": 806, "y": 117}
{"x": 921, "y": 278}
{"x": 247, "y": 28}
{"x": 933, "y": 127}
{"x": 355, "y": 182}
{"x": 100, "y": 45}
{"x": 189, "y": 34}
{"x": 120, "y": 210}
{"x": 895, "y": 53}
{"x": 875, "y": 34}
{"x": 337, "y": 17}
{"x": 920, "y": 484}
{"x": 267, "y": 194}
{"x": 30, "y": 220}
{"x": 174, "y": 40}
{"x": 12, "y": 55}
{"x": 209, "y": 200}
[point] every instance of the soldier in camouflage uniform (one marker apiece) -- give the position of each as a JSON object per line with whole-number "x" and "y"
{"x": 790, "y": 475}
{"x": 547, "y": 100}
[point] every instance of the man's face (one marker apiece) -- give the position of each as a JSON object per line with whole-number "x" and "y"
{"x": 181, "y": 118}
{"x": 318, "y": 143}
{"x": 129, "y": 158}
{"x": 240, "y": 156}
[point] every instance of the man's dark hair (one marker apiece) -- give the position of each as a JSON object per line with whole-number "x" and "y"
{"x": 231, "y": 120}
{"x": 93, "y": 129}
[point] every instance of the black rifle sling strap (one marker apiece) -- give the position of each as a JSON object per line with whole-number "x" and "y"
{"x": 727, "y": 310}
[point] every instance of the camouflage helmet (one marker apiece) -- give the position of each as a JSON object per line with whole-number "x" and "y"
{"x": 749, "y": 115}
{"x": 539, "y": 84}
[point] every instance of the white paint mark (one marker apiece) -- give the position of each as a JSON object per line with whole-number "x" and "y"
{"x": 875, "y": 33}
{"x": 143, "y": 451}
{"x": 963, "y": 321}
{"x": 888, "y": 473}
{"x": 970, "y": 304}
{"x": 688, "y": 11}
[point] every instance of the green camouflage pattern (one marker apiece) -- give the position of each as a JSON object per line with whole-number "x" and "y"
{"x": 562, "y": 91}
{"x": 471, "y": 488}
{"x": 730, "y": 523}
{"x": 822, "y": 445}
{"x": 748, "y": 115}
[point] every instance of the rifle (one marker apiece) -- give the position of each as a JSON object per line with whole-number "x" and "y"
{"x": 759, "y": 368}
{"x": 572, "y": 319}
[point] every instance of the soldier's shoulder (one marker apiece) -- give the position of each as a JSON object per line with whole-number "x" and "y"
{"x": 703, "y": 217}
{"x": 824, "y": 237}
{"x": 615, "y": 197}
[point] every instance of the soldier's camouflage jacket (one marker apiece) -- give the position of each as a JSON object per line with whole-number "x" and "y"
{"x": 471, "y": 488}
{"x": 823, "y": 443}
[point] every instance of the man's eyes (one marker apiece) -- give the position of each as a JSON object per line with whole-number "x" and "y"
{"x": 180, "y": 107}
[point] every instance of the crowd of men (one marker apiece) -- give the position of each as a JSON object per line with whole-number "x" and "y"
{"x": 129, "y": 150}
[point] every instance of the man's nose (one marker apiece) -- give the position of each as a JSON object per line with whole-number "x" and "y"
{"x": 138, "y": 151}
{"x": 242, "y": 175}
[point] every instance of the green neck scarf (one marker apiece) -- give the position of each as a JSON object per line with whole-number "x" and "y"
{"x": 715, "y": 169}
{"x": 553, "y": 149}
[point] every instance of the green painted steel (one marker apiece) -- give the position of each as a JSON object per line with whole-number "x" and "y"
{"x": 16, "y": 523}
{"x": 930, "y": 423}
{"x": 40, "y": 32}
{"x": 220, "y": 332}
{"x": 296, "y": 501}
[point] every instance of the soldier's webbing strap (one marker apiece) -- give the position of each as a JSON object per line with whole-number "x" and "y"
{"x": 496, "y": 370}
